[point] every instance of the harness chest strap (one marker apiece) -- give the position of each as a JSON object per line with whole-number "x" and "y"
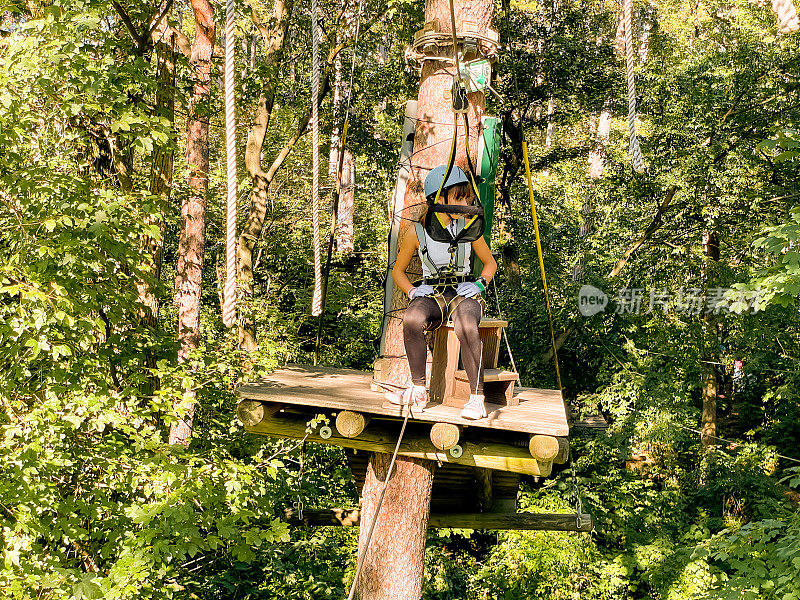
{"x": 457, "y": 258}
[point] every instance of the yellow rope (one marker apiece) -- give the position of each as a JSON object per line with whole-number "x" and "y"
{"x": 541, "y": 263}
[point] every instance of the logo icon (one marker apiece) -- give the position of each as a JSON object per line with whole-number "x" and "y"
{"x": 591, "y": 300}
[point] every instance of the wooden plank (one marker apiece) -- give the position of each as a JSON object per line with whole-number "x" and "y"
{"x": 489, "y": 375}
{"x": 351, "y": 517}
{"x": 381, "y": 439}
{"x": 539, "y": 411}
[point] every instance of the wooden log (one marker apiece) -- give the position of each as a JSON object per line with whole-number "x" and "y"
{"x": 252, "y": 412}
{"x": 521, "y": 521}
{"x": 544, "y": 448}
{"x": 350, "y": 424}
{"x": 445, "y": 435}
{"x": 382, "y": 439}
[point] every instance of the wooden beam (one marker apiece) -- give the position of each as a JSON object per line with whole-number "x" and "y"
{"x": 563, "y": 451}
{"x": 521, "y": 521}
{"x": 491, "y": 455}
{"x": 483, "y": 481}
{"x": 543, "y": 447}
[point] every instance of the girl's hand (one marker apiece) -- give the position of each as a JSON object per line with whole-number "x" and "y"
{"x": 420, "y": 291}
{"x": 468, "y": 289}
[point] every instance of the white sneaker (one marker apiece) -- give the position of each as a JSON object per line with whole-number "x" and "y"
{"x": 474, "y": 408}
{"x": 416, "y": 395}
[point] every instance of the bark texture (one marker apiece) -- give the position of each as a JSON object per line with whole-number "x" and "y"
{"x": 395, "y": 559}
{"x": 709, "y": 375}
{"x": 191, "y": 244}
{"x": 346, "y": 209}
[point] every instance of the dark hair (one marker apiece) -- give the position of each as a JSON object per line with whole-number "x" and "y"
{"x": 460, "y": 189}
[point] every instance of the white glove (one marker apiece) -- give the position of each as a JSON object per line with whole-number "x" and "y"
{"x": 420, "y": 291}
{"x": 468, "y": 289}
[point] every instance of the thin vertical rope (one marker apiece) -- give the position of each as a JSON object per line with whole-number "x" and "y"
{"x": 316, "y": 307}
{"x": 229, "y": 302}
{"x": 633, "y": 149}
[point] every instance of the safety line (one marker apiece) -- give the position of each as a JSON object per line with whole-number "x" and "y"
{"x": 361, "y": 558}
{"x": 541, "y": 263}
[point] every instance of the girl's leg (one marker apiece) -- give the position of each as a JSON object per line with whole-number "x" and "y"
{"x": 421, "y": 314}
{"x": 466, "y": 318}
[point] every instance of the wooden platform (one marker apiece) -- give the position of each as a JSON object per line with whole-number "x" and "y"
{"x": 539, "y": 411}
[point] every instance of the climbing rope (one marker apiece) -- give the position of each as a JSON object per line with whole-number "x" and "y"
{"x": 541, "y": 263}
{"x": 361, "y": 558}
{"x": 787, "y": 16}
{"x": 578, "y": 504}
{"x": 316, "y": 307}
{"x": 633, "y": 149}
{"x": 229, "y": 295}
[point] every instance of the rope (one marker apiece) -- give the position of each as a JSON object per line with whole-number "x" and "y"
{"x": 633, "y": 149}
{"x": 378, "y": 507}
{"x": 541, "y": 263}
{"x": 316, "y": 307}
{"x": 578, "y": 503}
{"x": 787, "y": 16}
{"x": 229, "y": 300}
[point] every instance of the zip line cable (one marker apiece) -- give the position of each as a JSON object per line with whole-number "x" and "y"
{"x": 541, "y": 263}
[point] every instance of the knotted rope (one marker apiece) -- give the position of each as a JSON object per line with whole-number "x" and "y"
{"x": 787, "y": 16}
{"x": 229, "y": 301}
{"x": 316, "y": 307}
{"x": 633, "y": 148}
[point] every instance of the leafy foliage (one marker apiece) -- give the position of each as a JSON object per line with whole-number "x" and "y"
{"x": 93, "y": 501}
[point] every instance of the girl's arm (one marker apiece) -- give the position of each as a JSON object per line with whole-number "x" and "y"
{"x": 407, "y": 250}
{"x": 481, "y": 249}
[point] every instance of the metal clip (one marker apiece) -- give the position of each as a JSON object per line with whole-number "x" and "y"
{"x": 459, "y": 93}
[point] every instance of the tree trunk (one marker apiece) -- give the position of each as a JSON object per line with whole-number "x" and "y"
{"x": 599, "y": 131}
{"x": 336, "y": 137}
{"x": 394, "y": 563}
{"x": 189, "y": 277}
{"x": 345, "y": 213}
{"x": 160, "y": 173}
{"x": 395, "y": 559}
{"x": 273, "y": 34}
{"x": 709, "y": 376}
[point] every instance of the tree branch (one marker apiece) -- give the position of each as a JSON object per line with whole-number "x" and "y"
{"x": 647, "y": 233}
{"x": 126, "y": 19}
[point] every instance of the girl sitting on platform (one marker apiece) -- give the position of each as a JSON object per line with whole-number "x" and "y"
{"x": 447, "y": 290}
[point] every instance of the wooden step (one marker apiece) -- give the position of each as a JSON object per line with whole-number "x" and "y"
{"x": 489, "y": 375}
{"x": 485, "y": 324}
